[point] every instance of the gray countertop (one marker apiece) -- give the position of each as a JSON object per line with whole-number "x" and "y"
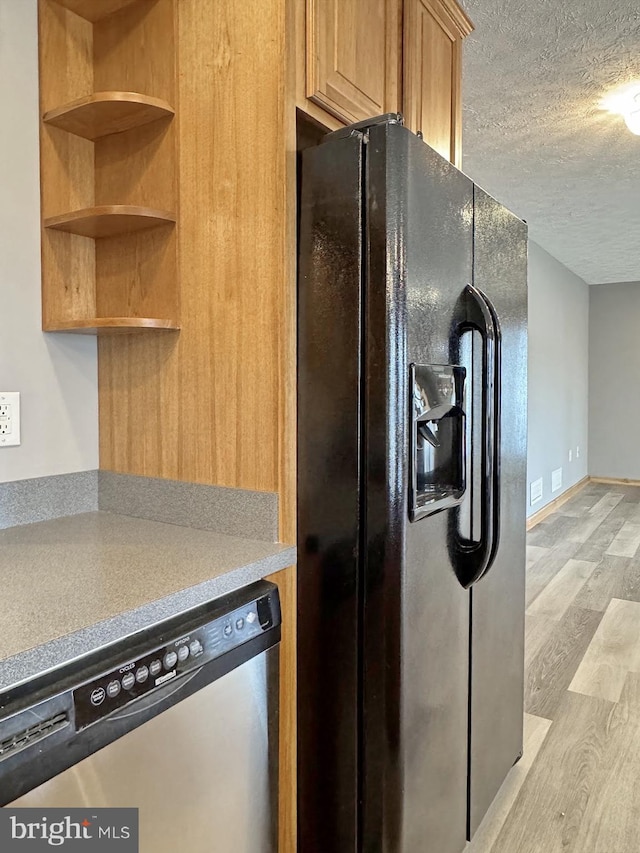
{"x": 72, "y": 585}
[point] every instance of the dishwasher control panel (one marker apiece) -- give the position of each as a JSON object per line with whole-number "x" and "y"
{"x": 133, "y": 679}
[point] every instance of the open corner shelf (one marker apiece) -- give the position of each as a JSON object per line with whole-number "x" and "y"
{"x": 110, "y": 220}
{"x": 113, "y": 325}
{"x": 104, "y": 113}
{"x": 95, "y": 10}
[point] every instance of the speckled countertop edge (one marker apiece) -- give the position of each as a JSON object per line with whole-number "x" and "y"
{"x": 240, "y": 562}
{"x": 63, "y": 650}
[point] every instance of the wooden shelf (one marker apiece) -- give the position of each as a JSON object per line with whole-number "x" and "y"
{"x": 113, "y": 325}
{"x": 109, "y": 220}
{"x": 95, "y": 10}
{"x": 104, "y": 113}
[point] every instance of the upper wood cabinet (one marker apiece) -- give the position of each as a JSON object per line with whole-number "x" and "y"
{"x": 360, "y": 58}
{"x": 432, "y": 52}
{"x": 109, "y": 166}
{"x": 353, "y": 57}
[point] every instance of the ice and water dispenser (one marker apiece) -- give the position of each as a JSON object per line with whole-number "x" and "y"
{"x": 438, "y": 438}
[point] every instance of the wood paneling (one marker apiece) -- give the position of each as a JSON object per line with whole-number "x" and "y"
{"x": 136, "y": 273}
{"x": 135, "y": 51}
{"x": 432, "y": 103}
{"x": 227, "y": 370}
{"x": 226, "y": 384}
{"x": 352, "y": 53}
{"x": 68, "y": 41}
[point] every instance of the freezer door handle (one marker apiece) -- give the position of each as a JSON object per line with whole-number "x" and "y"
{"x": 473, "y": 559}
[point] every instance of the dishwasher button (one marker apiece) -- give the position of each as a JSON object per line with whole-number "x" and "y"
{"x": 183, "y": 653}
{"x": 239, "y": 624}
{"x": 170, "y": 660}
{"x": 142, "y": 674}
{"x": 195, "y": 647}
{"x": 113, "y": 688}
{"x": 97, "y": 696}
{"x": 154, "y": 667}
{"x": 251, "y": 617}
{"x": 228, "y": 629}
{"x": 128, "y": 681}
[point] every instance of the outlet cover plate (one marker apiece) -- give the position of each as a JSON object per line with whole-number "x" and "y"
{"x": 536, "y": 491}
{"x": 9, "y": 418}
{"x": 556, "y": 479}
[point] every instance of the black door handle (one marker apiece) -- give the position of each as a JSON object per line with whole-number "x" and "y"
{"x": 473, "y": 559}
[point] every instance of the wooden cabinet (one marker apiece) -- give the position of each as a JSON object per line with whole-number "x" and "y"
{"x": 108, "y": 155}
{"x": 361, "y": 58}
{"x": 432, "y": 52}
{"x": 352, "y": 57}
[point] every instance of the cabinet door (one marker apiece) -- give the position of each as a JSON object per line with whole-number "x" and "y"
{"x": 433, "y": 34}
{"x": 352, "y": 52}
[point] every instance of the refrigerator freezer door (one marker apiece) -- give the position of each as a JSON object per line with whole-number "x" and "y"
{"x": 416, "y": 613}
{"x": 329, "y": 339}
{"x": 497, "y": 632}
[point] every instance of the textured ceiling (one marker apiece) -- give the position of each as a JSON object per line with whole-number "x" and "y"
{"x": 534, "y": 136}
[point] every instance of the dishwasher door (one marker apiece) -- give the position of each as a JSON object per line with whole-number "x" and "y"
{"x": 179, "y": 720}
{"x": 202, "y": 773}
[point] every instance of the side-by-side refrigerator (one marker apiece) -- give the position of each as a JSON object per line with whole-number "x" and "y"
{"x": 411, "y": 521}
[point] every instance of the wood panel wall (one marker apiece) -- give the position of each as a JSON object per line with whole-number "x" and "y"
{"x": 216, "y": 403}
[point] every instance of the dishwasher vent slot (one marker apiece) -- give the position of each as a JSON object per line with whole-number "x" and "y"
{"x": 30, "y": 735}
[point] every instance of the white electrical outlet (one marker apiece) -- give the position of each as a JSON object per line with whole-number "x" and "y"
{"x": 578, "y": 452}
{"x": 556, "y": 479}
{"x": 570, "y": 455}
{"x": 9, "y": 418}
{"x": 536, "y": 491}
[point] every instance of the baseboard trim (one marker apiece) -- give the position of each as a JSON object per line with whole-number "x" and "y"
{"x": 555, "y": 504}
{"x": 615, "y": 481}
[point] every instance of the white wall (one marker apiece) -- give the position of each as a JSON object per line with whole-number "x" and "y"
{"x": 558, "y": 374}
{"x": 614, "y": 380}
{"x": 56, "y": 374}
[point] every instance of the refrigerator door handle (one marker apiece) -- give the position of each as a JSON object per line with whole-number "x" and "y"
{"x": 474, "y": 559}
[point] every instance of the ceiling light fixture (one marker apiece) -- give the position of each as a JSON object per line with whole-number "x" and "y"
{"x": 632, "y": 117}
{"x": 626, "y": 103}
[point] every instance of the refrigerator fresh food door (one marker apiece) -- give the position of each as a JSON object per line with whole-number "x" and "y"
{"x": 497, "y": 599}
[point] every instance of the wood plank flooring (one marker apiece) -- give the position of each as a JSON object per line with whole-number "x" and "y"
{"x": 577, "y": 787}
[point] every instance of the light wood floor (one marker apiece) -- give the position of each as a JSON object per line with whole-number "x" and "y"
{"x": 577, "y": 787}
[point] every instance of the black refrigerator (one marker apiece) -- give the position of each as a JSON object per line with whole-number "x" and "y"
{"x": 412, "y": 373}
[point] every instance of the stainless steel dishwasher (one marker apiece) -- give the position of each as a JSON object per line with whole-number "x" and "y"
{"x": 179, "y": 721}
